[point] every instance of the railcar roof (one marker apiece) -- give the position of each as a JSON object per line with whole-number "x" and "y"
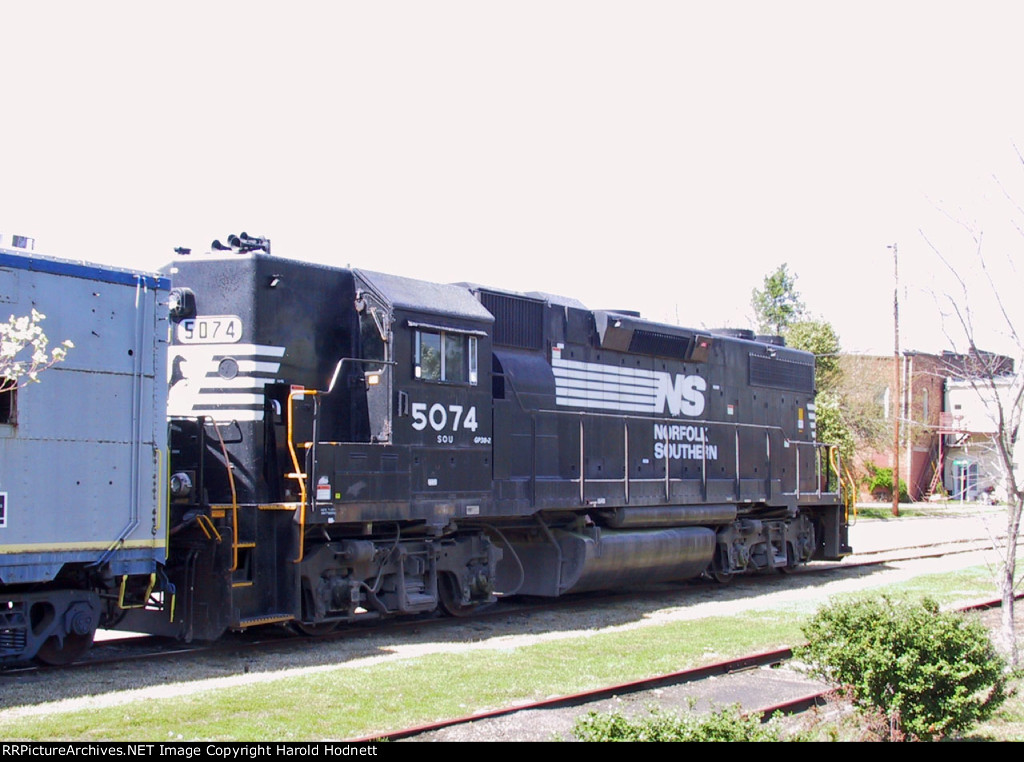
{"x": 19, "y": 259}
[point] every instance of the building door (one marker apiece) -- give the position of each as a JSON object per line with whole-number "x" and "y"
{"x": 965, "y": 480}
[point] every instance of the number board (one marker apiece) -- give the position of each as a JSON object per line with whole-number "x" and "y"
{"x": 210, "y": 329}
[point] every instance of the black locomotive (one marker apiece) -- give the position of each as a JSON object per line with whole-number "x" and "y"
{"x": 335, "y": 444}
{"x": 347, "y": 444}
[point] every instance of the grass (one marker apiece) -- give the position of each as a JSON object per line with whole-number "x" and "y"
{"x": 358, "y": 702}
{"x": 883, "y": 511}
{"x": 1007, "y": 725}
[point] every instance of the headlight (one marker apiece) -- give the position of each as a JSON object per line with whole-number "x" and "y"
{"x": 181, "y": 485}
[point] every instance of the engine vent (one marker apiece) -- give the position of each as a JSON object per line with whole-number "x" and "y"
{"x": 687, "y": 348}
{"x": 654, "y": 343}
{"x": 518, "y": 321}
{"x": 777, "y": 373}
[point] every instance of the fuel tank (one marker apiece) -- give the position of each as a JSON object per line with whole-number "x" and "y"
{"x": 598, "y": 559}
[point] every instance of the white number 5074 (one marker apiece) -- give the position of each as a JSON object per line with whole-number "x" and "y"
{"x": 210, "y": 329}
{"x": 439, "y": 417}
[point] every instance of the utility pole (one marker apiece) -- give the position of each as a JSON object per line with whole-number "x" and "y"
{"x": 897, "y": 397}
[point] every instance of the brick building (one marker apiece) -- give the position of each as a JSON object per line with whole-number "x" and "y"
{"x": 926, "y": 381}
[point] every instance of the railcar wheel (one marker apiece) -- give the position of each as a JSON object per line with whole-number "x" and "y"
{"x": 314, "y": 630}
{"x": 57, "y": 654}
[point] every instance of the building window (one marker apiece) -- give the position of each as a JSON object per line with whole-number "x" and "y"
{"x": 8, "y": 400}
{"x": 885, "y": 403}
{"x": 924, "y": 406}
{"x": 446, "y": 357}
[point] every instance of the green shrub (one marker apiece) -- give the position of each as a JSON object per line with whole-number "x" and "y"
{"x": 932, "y": 674}
{"x": 880, "y": 480}
{"x": 726, "y": 725}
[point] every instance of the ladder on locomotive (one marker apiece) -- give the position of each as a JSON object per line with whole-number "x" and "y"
{"x": 236, "y": 543}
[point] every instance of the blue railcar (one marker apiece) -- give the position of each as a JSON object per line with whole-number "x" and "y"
{"x": 83, "y": 456}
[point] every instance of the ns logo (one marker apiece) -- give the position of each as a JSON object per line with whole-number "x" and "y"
{"x": 683, "y": 395}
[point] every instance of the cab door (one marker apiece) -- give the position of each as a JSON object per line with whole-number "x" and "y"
{"x": 377, "y": 362}
{"x": 446, "y": 409}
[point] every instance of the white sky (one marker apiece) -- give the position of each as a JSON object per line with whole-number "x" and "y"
{"x": 660, "y": 156}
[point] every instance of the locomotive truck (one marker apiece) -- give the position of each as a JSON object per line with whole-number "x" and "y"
{"x": 341, "y": 444}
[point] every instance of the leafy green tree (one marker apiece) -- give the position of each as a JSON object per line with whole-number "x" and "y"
{"x": 819, "y": 337}
{"x": 832, "y": 427}
{"x": 778, "y": 304}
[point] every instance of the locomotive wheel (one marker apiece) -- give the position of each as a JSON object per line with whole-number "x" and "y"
{"x": 451, "y": 598}
{"x": 715, "y": 572}
{"x": 315, "y": 630}
{"x": 791, "y": 562}
{"x": 57, "y": 654}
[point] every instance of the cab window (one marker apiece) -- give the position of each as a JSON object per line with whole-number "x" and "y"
{"x": 445, "y": 357}
{"x": 372, "y": 336}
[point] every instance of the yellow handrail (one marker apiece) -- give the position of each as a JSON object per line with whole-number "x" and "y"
{"x": 145, "y": 598}
{"x": 234, "y": 499}
{"x": 206, "y": 524}
{"x": 849, "y": 496}
{"x": 297, "y": 474}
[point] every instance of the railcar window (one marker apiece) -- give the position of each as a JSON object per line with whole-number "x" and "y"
{"x": 446, "y": 357}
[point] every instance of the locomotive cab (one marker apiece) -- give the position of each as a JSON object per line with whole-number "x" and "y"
{"x": 428, "y": 400}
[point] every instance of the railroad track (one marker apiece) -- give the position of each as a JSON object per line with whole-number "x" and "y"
{"x": 600, "y": 696}
{"x": 750, "y": 677}
{"x": 134, "y": 672}
{"x": 121, "y": 649}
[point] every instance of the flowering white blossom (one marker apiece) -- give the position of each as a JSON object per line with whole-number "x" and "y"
{"x": 23, "y": 351}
